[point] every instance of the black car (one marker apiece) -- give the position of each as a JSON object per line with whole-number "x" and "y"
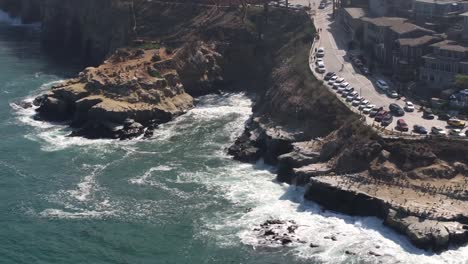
{"x": 420, "y": 129}
{"x": 373, "y": 113}
{"x": 387, "y": 120}
{"x": 396, "y": 110}
{"x": 329, "y": 75}
{"x": 427, "y": 114}
{"x": 444, "y": 117}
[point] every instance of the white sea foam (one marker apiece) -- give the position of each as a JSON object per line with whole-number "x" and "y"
{"x": 57, "y": 213}
{"x": 88, "y": 184}
{"x": 253, "y": 188}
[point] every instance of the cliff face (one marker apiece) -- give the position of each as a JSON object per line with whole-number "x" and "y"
{"x": 86, "y": 29}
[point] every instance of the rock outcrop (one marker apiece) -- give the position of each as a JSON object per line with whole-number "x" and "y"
{"x": 133, "y": 89}
{"x": 422, "y": 230}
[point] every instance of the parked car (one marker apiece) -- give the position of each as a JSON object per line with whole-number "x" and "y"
{"x": 320, "y": 52}
{"x": 349, "y": 98}
{"x": 344, "y": 94}
{"x": 340, "y": 89}
{"x": 420, "y": 129}
{"x": 438, "y": 131}
{"x": 356, "y": 102}
{"x": 392, "y": 93}
{"x": 456, "y": 132}
{"x": 456, "y": 123}
{"x": 373, "y": 113}
{"x": 386, "y": 120}
{"x": 409, "y": 107}
{"x": 332, "y": 79}
{"x": 364, "y": 70}
{"x": 444, "y": 117}
{"x": 366, "y": 110}
{"x": 380, "y": 115}
{"x": 363, "y": 105}
{"x": 349, "y": 88}
{"x": 338, "y": 83}
{"x": 427, "y": 114}
{"x": 382, "y": 85}
{"x": 322, "y": 6}
{"x": 321, "y": 67}
{"x": 329, "y": 75}
{"x": 319, "y": 60}
{"x": 396, "y": 110}
{"x": 401, "y": 125}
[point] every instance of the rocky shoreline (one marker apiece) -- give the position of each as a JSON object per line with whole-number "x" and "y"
{"x": 418, "y": 188}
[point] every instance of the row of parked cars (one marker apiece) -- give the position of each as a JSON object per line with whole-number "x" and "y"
{"x": 384, "y": 117}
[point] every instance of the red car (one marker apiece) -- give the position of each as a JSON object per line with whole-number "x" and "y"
{"x": 402, "y": 126}
{"x": 380, "y": 115}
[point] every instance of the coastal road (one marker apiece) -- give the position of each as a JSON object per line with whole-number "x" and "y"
{"x": 334, "y": 39}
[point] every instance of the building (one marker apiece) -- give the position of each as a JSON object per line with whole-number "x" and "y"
{"x": 352, "y": 23}
{"x": 447, "y": 59}
{"x": 465, "y": 25}
{"x": 437, "y": 10}
{"x": 380, "y": 8}
{"x": 381, "y": 34}
{"x": 407, "y": 56}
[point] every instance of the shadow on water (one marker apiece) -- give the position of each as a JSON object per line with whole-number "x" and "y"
{"x": 23, "y": 43}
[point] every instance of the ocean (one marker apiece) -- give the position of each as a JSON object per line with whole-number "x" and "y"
{"x": 174, "y": 198}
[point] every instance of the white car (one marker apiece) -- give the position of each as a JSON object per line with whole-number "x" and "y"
{"x": 382, "y": 85}
{"x": 318, "y": 60}
{"x": 341, "y": 89}
{"x": 332, "y": 80}
{"x": 372, "y": 106}
{"x": 438, "y": 131}
{"x": 392, "y": 94}
{"x": 339, "y": 80}
{"x": 363, "y": 105}
{"x": 409, "y": 107}
{"x": 344, "y": 84}
{"x": 456, "y": 132}
{"x": 321, "y": 67}
{"x": 366, "y": 110}
{"x": 320, "y": 52}
{"x": 356, "y": 102}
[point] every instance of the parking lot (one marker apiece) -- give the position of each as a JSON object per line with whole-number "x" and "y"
{"x": 337, "y": 59}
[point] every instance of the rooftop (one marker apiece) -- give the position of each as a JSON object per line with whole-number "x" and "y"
{"x": 398, "y": 25}
{"x": 407, "y": 27}
{"x": 414, "y": 42}
{"x": 384, "y": 21}
{"x": 355, "y": 12}
{"x": 451, "y": 46}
